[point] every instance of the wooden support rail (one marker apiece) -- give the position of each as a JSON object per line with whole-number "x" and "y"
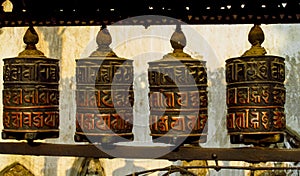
{"x": 248, "y": 154}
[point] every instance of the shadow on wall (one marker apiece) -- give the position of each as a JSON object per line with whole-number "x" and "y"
{"x": 217, "y": 132}
{"x": 54, "y": 38}
{"x": 292, "y": 85}
{"x": 94, "y": 167}
{"x": 128, "y": 168}
{"x": 141, "y": 129}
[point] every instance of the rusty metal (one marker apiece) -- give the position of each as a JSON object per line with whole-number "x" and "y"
{"x": 255, "y": 95}
{"x": 104, "y": 95}
{"x": 30, "y": 95}
{"x": 178, "y": 96}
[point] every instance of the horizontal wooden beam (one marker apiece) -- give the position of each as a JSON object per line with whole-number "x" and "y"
{"x": 248, "y": 154}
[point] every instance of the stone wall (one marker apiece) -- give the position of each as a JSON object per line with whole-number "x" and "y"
{"x": 212, "y": 43}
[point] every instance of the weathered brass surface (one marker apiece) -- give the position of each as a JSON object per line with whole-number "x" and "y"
{"x": 104, "y": 95}
{"x": 178, "y": 96}
{"x": 256, "y": 37}
{"x": 16, "y": 169}
{"x": 255, "y": 95}
{"x": 30, "y": 95}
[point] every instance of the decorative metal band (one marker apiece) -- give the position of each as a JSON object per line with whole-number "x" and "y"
{"x": 254, "y": 82}
{"x": 184, "y": 87}
{"x": 96, "y": 109}
{"x": 182, "y": 111}
{"x": 103, "y": 134}
{"x": 9, "y": 83}
{"x": 30, "y": 131}
{"x": 253, "y": 133}
{"x": 50, "y": 107}
{"x": 180, "y": 135}
{"x": 254, "y": 107}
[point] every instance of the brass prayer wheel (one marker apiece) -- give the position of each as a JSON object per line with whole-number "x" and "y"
{"x": 104, "y": 95}
{"x": 30, "y": 95}
{"x": 255, "y": 95}
{"x": 178, "y": 96}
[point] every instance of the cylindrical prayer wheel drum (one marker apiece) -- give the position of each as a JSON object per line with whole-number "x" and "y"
{"x": 104, "y": 95}
{"x": 178, "y": 96}
{"x": 30, "y": 95}
{"x": 255, "y": 95}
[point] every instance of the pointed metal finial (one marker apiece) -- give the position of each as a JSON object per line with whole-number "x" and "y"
{"x": 256, "y": 37}
{"x": 31, "y": 38}
{"x": 178, "y": 40}
{"x": 103, "y": 40}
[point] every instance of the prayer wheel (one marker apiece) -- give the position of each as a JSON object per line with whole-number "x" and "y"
{"x": 178, "y": 96}
{"x": 255, "y": 95}
{"x": 30, "y": 95}
{"x": 104, "y": 95}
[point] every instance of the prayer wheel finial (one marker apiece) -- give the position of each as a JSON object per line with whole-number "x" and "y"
{"x": 31, "y": 39}
{"x": 178, "y": 40}
{"x": 103, "y": 40}
{"x": 256, "y": 37}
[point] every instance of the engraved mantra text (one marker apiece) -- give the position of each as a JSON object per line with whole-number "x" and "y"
{"x": 254, "y": 70}
{"x": 254, "y": 119}
{"x": 179, "y": 123}
{"x": 178, "y": 99}
{"x": 105, "y": 122}
{"x": 30, "y": 119}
